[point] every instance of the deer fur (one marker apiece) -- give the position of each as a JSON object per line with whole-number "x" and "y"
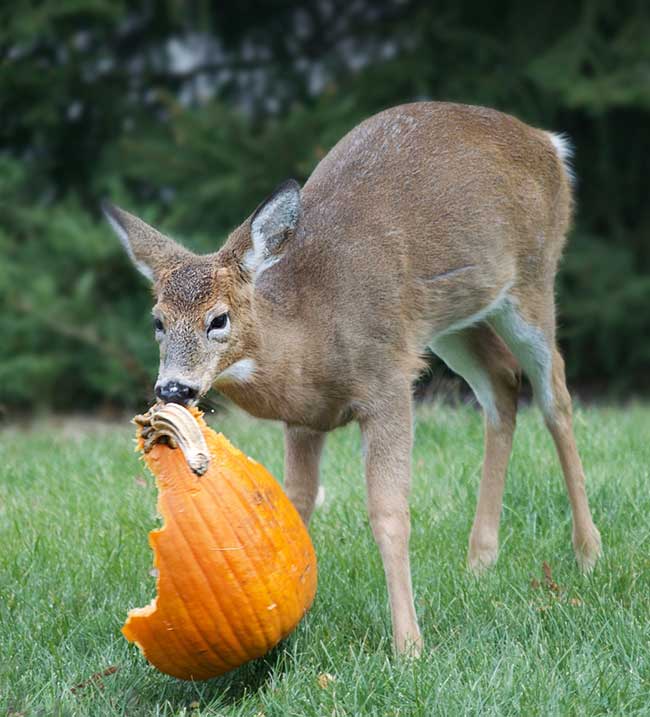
{"x": 428, "y": 225}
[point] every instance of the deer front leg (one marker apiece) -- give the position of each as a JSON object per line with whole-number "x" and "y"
{"x": 388, "y": 438}
{"x": 302, "y": 452}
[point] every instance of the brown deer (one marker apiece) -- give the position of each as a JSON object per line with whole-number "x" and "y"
{"x": 428, "y": 225}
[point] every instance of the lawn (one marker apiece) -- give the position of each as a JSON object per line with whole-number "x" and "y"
{"x": 74, "y": 517}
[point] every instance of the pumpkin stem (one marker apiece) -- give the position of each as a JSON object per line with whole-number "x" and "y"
{"x": 175, "y": 425}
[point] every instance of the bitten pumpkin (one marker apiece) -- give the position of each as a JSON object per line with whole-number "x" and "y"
{"x": 236, "y": 569}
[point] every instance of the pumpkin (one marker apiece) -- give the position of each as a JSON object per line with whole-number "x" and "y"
{"x": 236, "y": 569}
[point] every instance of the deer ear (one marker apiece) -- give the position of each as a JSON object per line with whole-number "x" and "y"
{"x": 272, "y": 223}
{"x": 150, "y": 251}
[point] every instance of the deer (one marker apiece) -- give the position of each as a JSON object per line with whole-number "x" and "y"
{"x": 429, "y": 225}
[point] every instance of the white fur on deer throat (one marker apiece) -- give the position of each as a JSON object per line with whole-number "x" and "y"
{"x": 239, "y": 372}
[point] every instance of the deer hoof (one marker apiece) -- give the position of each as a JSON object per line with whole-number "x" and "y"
{"x": 587, "y": 548}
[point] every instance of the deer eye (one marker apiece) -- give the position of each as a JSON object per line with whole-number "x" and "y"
{"x": 158, "y": 326}
{"x": 219, "y": 323}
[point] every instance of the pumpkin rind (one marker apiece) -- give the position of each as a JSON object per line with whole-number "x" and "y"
{"x": 236, "y": 567}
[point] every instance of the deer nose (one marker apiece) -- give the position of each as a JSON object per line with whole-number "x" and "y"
{"x": 175, "y": 392}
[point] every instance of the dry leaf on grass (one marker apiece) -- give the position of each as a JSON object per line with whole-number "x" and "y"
{"x": 95, "y": 679}
{"x": 556, "y": 592}
{"x": 325, "y": 679}
{"x": 548, "y": 578}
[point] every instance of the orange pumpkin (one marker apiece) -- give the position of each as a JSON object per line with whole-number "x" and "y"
{"x": 236, "y": 567}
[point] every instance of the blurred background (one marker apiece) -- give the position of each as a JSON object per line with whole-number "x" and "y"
{"x": 189, "y": 113}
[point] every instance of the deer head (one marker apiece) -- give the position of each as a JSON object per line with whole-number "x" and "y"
{"x": 204, "y": 318}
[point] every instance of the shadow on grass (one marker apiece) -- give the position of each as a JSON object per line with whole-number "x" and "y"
{"x": 220, "y": 692}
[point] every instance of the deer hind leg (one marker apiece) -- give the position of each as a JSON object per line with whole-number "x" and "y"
{"x": 483, "y": 360}
{"x": 533, "y": 343}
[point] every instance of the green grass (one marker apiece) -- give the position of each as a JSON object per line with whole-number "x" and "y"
{"x": 74, "y": 517}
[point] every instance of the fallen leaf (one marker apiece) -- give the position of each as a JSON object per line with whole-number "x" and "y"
{"x": 548, "y": 578}
{"x": 575, "y": 602}
{"x": 325, "y": 679}
{"x": 96, "y": 678}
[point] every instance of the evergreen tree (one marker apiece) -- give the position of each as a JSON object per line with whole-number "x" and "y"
{"x": 190, "y": 114}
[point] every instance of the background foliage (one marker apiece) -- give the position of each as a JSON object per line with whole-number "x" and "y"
{"x": 189, "y": 113}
